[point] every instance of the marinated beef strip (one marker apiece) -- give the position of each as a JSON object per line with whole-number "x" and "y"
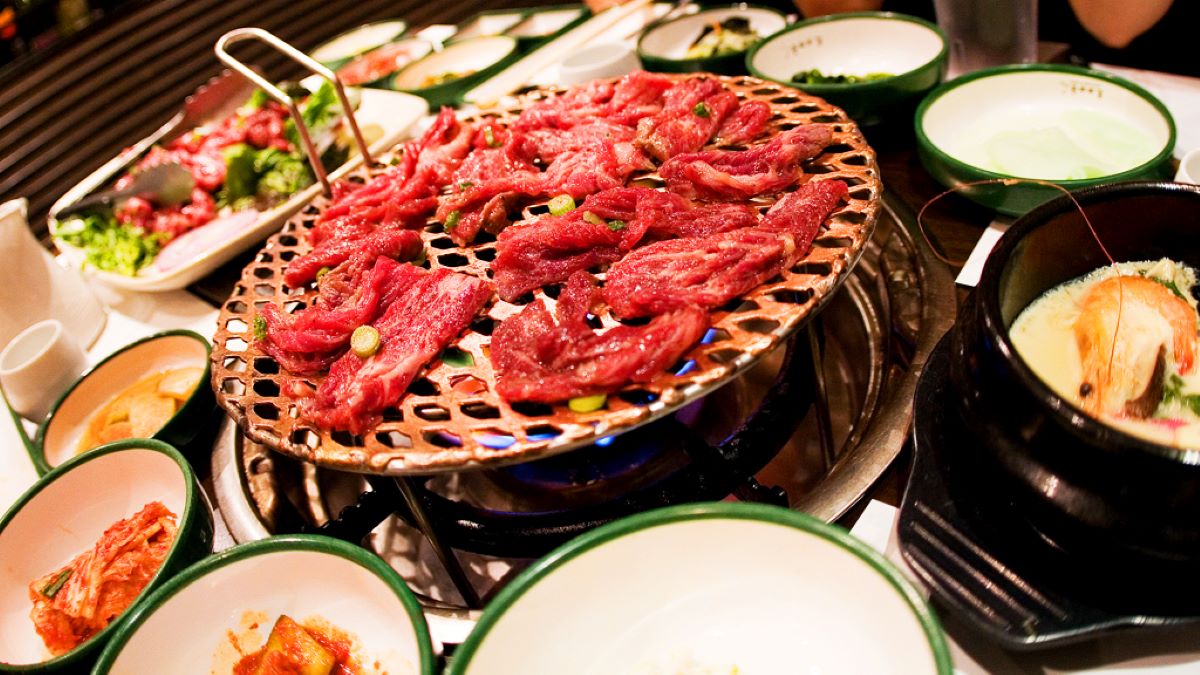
{"x": 633, "y": 97}
{"x": 351, "y": 295}
{"x": 75, "y": 602}
{"x": 745, "y": 124}
{"x": 399, "y": 244}
{"x": 735, "y": 175}
{"x": 428, "y": 311}
{"x": 710, "y": 271}
{"x": 542, "y": 361}
{"x": 490, "y": 181}
{"x": 552, "y": 248}
{"x": 402, "y": 197}
{"x": 692, "y": 112}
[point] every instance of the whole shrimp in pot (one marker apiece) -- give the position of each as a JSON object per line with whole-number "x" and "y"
{"x": 1124, "y": 330}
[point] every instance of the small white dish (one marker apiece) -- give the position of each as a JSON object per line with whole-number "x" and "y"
{"x": 1189, "y": 168}
{"x": 671, "y": 40}
{"x": 37, "y": 366}
{"x": 595, "y": 62}
{"x": 185, "y": 626}
{"x": 727, "y": 587}
{"x": 357, "y": 41}
{"x": 542, "y": 24}
{"x": 488, "y": 24}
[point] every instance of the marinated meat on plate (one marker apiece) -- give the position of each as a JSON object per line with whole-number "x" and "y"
{"x": 539, "y": 360}
{"x": 692, "y": 112}
{"x": 710, "y": 271}
{"x": 735, "y": 175}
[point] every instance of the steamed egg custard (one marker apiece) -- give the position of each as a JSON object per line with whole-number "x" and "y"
{"x": 1121, "y": 343}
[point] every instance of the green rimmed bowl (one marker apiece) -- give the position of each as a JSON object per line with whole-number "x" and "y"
{"x": 483, "y": 56}
{"x": 543, "y": 23}
{"x": 911, "y": 51}
{"x": 339, "y": 50}
{"x": 66, "y": 512}
{"x": 1013, "y": 121}
{"x": 720, "y": 586}
{"x": 377, "y": 67}
{"x": 185, "y": 626}
{"x": 663, "y": 46}
{"x": 188, "y": 429}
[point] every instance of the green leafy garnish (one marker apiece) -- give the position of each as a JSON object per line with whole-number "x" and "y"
{"x": 453, "y": 356}
{"x": 1173, "y": 393}
{"x": 815, "y": 76}
{"x": 109, "y": 245}
{"x": 260, "y": 327}
{"x": 51, "y": 589}
{"x": 258, "y": 99}
{"x": 616, "y": 225}
{"x": 319, "y": 111}
{"x": 701, "y": 110}
{"x": 452, "y": 221}
{"x": 269, "y": 174}
{"x": 1170, "y": 285}
{"x": 240, "y": 177}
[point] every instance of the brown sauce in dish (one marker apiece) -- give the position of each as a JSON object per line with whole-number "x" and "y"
{"x": 289, "y": 652}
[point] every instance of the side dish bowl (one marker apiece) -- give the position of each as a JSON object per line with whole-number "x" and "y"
{"x": 66, "y": 512}
{"x": 469, "y": 61}
{"x": 339, "y": 50}
{"x": 59, "y": 435}
{"x": 186, "y": 626}
{"x": 905, "y": 56}
{"x": 663, "y": 46}
{"x": 715, "y": 587}
{"x": 1082, "y": 483}
{"x": 998, "y": 122}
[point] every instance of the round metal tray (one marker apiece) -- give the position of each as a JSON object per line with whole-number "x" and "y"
{"x": 451, "y": 419}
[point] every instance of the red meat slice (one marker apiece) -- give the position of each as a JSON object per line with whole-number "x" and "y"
{"x": 735, "y": 175}
{"x": 430, "y": 309}
{"x": 400, "y": 244}
{"x": 488, "y": 183}
{"x": 633, "y": 97}
{"x": 746, "y": 123}
{"x": 538, "y": 360}
{"x": 692, "y": 111}
{"x": 704, "y": 220}
{"x": 552, "y": 248}
{"x": 710, "y": 271}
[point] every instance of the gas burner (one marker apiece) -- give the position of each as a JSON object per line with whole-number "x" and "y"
{"x": 784, "y": 432}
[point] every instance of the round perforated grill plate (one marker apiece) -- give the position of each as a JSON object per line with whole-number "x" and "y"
{"x": 451, "y": 419}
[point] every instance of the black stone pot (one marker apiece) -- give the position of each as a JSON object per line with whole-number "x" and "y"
{"x": 1090, "y": 489}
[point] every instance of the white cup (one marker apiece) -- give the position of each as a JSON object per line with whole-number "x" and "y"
{"x": 597, "y": 61}
{"x": 1189, "y": 168}
{"x": 37, "y": 366}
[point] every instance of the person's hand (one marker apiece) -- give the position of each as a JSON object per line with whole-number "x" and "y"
{"x": 811, "y": 8}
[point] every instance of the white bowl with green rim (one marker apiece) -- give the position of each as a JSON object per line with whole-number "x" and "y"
{"x": 542, "y": 23}
{"x": 663, "y": 46}
{"x": 722, "y": 586}
{"x": 487, "y": 24}
{"x": 906, "y": 56}
{"x": 1067, "y": 125}
{"x": 185, "y": 626}
{"x": 472, "y": 60}
{"x": 58, "y": 437}
{"x": 376, "y": 67}
{"x": 66, "y": 512}
{"x": 337, "y": 51}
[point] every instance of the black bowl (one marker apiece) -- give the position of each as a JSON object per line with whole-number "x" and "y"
{"x": 1086, "y": 486}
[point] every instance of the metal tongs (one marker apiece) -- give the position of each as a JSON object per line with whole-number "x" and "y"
{"x": 314, "y": 156}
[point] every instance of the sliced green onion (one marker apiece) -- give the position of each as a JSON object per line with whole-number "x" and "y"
{"x": 489, "y": 137}
{"x": 453, "y": 356}
{"x": 587, "y": 404}
{"x": 51, "y": 589}
{"x": 260, "y": 327}
{"x": 364, "y": 341}
{"x": 593, "y": 218}
{"x": 322, "y": 272}
{"x": 701, "y": 110}
{"x": 562, "y": 205}
{"x": 616, "y": 225}
{"x": 464, "y": 185}
{"x": 394, "y": 160}
{"x": 452, "y": 221}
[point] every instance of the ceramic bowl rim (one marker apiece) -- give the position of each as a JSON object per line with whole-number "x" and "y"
{"x": 988, "y": 294}
{"x": 980, "y": 173}
{"x": 393, "y": 78}
{"x": 278, "y": 544}
{"x": 37, "y": 448}
{"x": 395, "y": 38}
{"x": 511, "y": 594}
{"x": 743, "y": 6}
{"x": 834, "y": 88}
{"x": 192, "y": 501}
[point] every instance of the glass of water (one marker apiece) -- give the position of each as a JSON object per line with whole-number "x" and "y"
{"x": 984, "y": 33}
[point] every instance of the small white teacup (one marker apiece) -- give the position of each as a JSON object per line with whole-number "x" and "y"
{"x": 1189, "y": 168}
{"x": 37, "y": 366}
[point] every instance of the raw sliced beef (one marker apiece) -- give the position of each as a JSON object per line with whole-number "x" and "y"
{"x": 486, "y": 185}
{"x": 430, "y": 309}
{"x": 633, "y": 97}
{"x": 733, "y": 175}
{"x": 710, "y": 271}
{"x": 399, "y": 244}
{"x": 746, "y": 123}
{"x": 539, "y": 360}
{"x": 692, "y": 111}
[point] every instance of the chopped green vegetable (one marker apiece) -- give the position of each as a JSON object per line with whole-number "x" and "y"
{"x": 319, "y": 112}
{"x": 815, "y": 76}
{"x": 51, "y": 589}
{"x": 587, "y": 404}
{"x": 110, "y": 245}
{"x": 258, "y": 99}
{"x": 453, "y": 356}
{"x": 463, "y": 186}
{"x": 616, "y": 225}
{"x": 701, "y": 110}
{"x": 452, "y": 221}
{"x": 394, "y": 160}
{"x": 562, "y": 205}
{"x": 364, "y": 341}
{"x": 241, "y": 178}
{"x": 489, "y": 137}
{"x": 730, "y": 36}
{"x": 280, "y": 174}
{"x": 322, "y": 272}
{"x": 1173, "y": 393}
{"x": 593, "y": 218}
{"x": 260, "y": 327}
